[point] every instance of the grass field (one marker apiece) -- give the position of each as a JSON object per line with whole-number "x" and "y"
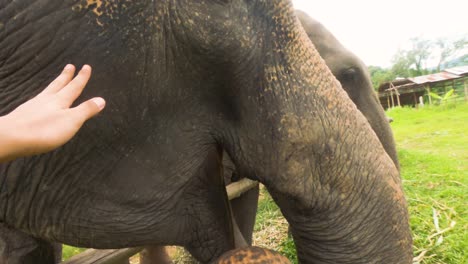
{"x": 433, "y": 150}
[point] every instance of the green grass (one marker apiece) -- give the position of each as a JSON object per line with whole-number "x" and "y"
{"x": 432, "y": 145}
{"x": 69, "y": 251}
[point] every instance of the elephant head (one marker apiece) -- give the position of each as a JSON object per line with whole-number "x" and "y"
{"x": 353, "y": 75}
{"x": 185, "y": 80}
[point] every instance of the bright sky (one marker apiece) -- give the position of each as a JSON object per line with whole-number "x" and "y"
{"x": 374, "y": 30}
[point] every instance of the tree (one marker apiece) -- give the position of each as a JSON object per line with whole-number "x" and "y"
{"x": 419, "y": 54}
{"x": 380, "y": 75}
{"x": 449, "y": 50}
{"x": 401, "y": 64}
{"x": 445, "y": 51}
{"x": 413, "y": 61}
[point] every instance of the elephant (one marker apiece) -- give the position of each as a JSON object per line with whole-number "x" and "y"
{"x": 354, "y": 78}
{"x": 185, "y": 81}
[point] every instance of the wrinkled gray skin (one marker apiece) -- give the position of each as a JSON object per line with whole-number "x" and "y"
{"x": 353, "y": 75}
{"x": 185, "y": 80}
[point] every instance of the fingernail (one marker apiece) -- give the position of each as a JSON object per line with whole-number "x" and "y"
{"x": 68, "y": 67}
{"x": 99, "y": 102}
{"x": 86, "y": 67}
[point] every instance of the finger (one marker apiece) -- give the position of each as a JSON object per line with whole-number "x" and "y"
{"x": 61, "y": 81}
{"x": 70, "y": 92}
{"x": 88, "y": 109}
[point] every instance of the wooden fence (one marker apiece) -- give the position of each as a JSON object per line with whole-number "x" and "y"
{"x": 113, "y": 256}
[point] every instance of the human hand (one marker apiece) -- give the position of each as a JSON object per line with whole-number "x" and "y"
{"x": 46, "y": 121}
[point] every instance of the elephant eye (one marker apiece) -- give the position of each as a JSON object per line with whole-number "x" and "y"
{"x": 349, "y": 74}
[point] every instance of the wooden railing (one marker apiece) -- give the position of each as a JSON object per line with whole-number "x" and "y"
{"x": 113, "y": 256}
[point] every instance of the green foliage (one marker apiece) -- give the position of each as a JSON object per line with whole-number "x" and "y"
{"x": 401, "y": 64}
{"x": 413, "y": 61}
{"x": 271, "y": 228}
{"x": 445, "y": 98}
{"x": 435, "y": 96}
{"x": 288, "y": 249}
{"x": 380, "y": 75}
{"x": 419, "y": 54}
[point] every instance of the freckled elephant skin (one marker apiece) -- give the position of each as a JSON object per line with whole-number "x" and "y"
{"x": 185, "y": 81}
{"x": 353, "y": 76}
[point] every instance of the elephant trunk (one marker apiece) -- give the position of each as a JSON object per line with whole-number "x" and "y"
{"x": 319, "y": 158}
{"x": 379, "y": 122}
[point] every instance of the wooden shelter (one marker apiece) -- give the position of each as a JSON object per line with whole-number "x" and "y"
{"x": 407, "y": 91}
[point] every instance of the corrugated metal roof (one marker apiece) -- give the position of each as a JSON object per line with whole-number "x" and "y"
{"x": 436, "y": 77}
{"x": 398, "y": 82}
{"x": 462, "y": 70}
{"x": 414, "y": 82}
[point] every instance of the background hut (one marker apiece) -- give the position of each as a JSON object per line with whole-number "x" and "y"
{"x": 407, "y": 91}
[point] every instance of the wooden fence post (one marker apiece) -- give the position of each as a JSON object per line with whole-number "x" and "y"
{"x": 428, "y": 89}
{"x": 398, "y": 97}
{"x": 393, "y": 101}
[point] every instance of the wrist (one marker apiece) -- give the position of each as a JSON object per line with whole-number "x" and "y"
{"x": 10, "y": 145}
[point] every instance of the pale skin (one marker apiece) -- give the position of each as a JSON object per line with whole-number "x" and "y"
{"x": 46, "y": 121}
